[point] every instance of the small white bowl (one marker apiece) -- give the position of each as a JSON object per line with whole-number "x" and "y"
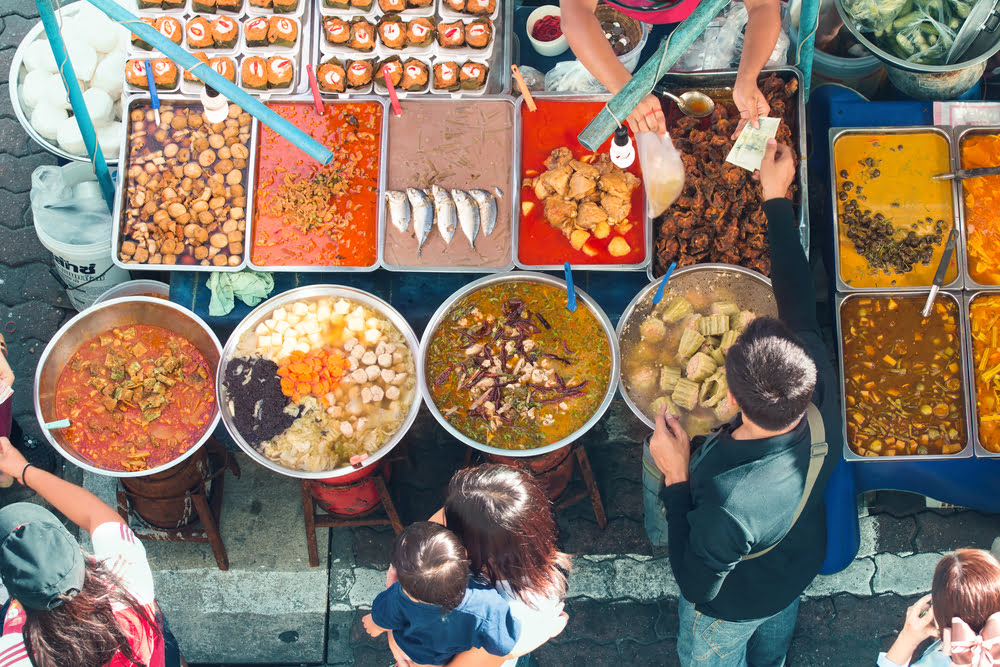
{"x": 557, "y": 45}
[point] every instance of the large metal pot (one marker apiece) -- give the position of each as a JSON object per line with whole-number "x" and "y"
{"x": 101, "y": 317}
{"x": 517, "y": 276}
{"x": 261, "y": 313}
{"x": 643, "y": 302}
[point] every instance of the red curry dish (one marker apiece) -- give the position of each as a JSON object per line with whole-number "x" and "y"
{"x": 136, "y": 397}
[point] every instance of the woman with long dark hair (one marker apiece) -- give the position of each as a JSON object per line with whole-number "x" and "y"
{"x": 505, "y": 521}
{"x": 60, "y": 606}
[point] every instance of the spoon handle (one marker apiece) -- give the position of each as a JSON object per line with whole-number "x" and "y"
{"x": 570, "y": 291}
{"x": 663, "y": 283}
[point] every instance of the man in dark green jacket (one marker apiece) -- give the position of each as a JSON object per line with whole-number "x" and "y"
{"x": 735, "y": 494}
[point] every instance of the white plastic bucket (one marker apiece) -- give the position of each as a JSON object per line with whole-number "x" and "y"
{"x": 87, "y": 271}
{"x": 136, "y": 288}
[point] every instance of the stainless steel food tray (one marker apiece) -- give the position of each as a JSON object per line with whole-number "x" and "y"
{"x": 835, "y": 134}
{"x": 518, "y": 141}
{"x": 959, "y": 134}
{"x": 518, "y": 276}
{"x": 497, "y": 81}
{"x": 379, "y": 221}
{"x": 680, "y": 81}
{"x": 511, "y": 186}
{"x": 967, "y": 451}
{"x": 646, "y": 292}
{"x": 129, "y": 102}
{"x": 967, "y": 299}
{"x": 312, "y": 292}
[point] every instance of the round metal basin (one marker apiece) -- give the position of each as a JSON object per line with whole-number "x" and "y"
{"x": 95, "y": 320}
{"x": 261, "y": 313}
{"x": 582, "y": 300}
{"x": 640, "y": 306}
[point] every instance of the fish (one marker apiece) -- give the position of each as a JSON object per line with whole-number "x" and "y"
{"x": 468, "y": 214}
{"x": 444, "y": 211}
{"x": 487, "y": 209}
{"x": 399, "y": 209}
{"x": 423, "y": 215}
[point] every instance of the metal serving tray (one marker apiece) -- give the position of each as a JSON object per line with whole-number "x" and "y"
{"x": 518, "y": 140}
{"x": 379, "y": 221}
{"x": 959, "y": 134}
{"x": 835, "y": 134}
{"x": 674, "y": 81}
{"x": 967, "y": 299}
{"x": 967, "y": 451}
{"x": 120, "y": 194}
{"x": 511, "y": 187}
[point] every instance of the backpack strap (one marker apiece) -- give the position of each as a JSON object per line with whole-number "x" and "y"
{"x": 817, "y": 454}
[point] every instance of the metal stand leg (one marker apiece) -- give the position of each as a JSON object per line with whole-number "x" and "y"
{"x": 309, "y": 513}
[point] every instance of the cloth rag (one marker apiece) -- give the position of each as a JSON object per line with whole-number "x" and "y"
{"x": 250, "y": 286}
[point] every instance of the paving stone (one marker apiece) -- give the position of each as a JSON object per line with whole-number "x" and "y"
{"x": 338, "y": 646}
{"x": 15, "y": 172}
{"x": 372, "y": 546}
{"x": 581, "y": 534}
{"x": 6, "y": 58}
{"x": 590, "y": 579}
{"x": 15, "y": 28}
{"x": 896, "y": 535}
{"x": 20, "y": 247}
{"x": 897, "y": 503}
{"x": 583, "y": 652}
{"x": 954, "y": 530}
{"x": 667, "y": 622}
{"x": 14, "y": 210}
{"x": 367, "y": 584}
{"x": 904, "y": 575}
{"x": 815, "y": 617}
{"x": 606, "y": 622}
{"x": 879, "y": 616}
{"x": 663, "y": 653}
{"x": 642, "y": 580}
{"x": 621, "y": 424}
{"x": 856, "y": 578}
{"x": 18, "y": 7}
{"x": 366, "y": 656}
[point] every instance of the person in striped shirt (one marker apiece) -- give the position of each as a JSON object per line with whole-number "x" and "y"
{"x": 62, "y": 606}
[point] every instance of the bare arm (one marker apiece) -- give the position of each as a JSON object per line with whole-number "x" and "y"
{"x": 763, "y": 28}
{"x": 78, "y": 505}
{"x": 586, "y": 37}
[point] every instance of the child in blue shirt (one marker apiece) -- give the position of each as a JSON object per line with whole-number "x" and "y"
{"x": 436, "y": 609}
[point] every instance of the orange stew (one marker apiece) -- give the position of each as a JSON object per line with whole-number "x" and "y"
{"x": 308, "y": 214}
{"x": 555, "y": 124}
{"x": 982, "y": 209}
{"x": 136, "y": 397}
{"x": 984, "y": 319}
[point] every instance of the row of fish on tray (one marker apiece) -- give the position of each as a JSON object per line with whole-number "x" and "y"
{"x": 450, "y": 209}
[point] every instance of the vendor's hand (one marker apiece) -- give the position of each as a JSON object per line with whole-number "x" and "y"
{"x": 918, "y": 626}
{"x": 369, "y": 623}
{"x": 6, "y": 374}
{"x": 777, "y": 170}
{"x": 648, "y": 116}
{"x": 751, "y": 103}
{"x": 11, "y": 460}
{"x": 670, "y": 448}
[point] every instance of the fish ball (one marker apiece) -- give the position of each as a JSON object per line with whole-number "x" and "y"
{"x": 110, "y": 139}
{"x": 108, "y": 75}
{"x": 69, "y": 137}
{"x": 46, "y": 119}
{"x": 99, "y": 105}
{"x": 83, "y": 56}
{"x": 38, "y": 56}
{"x": 652, "y": 330}
{"x": 644, "y": 379}
{"x": 33, "y": 88}
{"x": 54, "y": 94}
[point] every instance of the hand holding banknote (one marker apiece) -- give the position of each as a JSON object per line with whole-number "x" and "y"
{"x": 749, "y": 148}
{"x": 777, "y": 170}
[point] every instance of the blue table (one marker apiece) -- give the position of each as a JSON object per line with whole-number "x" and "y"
{"x": 973, "y": 482}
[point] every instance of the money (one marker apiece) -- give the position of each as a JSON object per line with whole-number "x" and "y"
{"x": 748, "y": 151}
{"x": 5, "y": 393}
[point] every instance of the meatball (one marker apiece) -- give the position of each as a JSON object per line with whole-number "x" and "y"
{"x": 652, "y": 330}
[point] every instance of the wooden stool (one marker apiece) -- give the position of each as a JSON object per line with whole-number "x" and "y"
{"x": 568, "y": 498}
{"x": 208, "y": 505}
{"x": 316, "y": 517}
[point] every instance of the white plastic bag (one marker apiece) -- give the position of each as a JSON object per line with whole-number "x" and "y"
{"x": 662, "y": 171}
{"x": 572, "y": 76}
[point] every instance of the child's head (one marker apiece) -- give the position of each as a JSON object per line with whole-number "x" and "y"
{"x": 967, "y": 586}
{"x": 431, "y": 564}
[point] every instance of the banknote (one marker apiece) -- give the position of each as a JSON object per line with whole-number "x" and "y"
{"x": 5, "y": 392}
{"x": 748, "y": 151}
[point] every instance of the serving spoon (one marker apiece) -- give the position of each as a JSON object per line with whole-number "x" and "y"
{"x": 693, "y": 103}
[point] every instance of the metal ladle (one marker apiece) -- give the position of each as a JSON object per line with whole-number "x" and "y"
{"x": 693, "y": 103}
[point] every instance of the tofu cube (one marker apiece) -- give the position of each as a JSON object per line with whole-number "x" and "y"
{"x": 279, "y": 314}
{"x": 264, "y": 341}
{"x": 281, "y": 327}
{"x": 262, "y": 329}
{"x": 341, "y": 307}
{"x": 310, "y": 327}
{"x": 372, "y": 336}
{"x": 270, "y": 324}
{"x": 302, "y": 347}
{"x": 356, "y": 323}
{"x": 300, "y": 308}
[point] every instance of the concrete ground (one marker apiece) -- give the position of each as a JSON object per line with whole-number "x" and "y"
{"x": 271, "y": 608}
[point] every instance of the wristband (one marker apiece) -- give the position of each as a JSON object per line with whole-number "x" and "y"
{"x": 24, "y": 470}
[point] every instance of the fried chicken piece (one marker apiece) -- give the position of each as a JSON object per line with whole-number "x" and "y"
{"x": 618, "y": 183}
{"x": 616, "y": 208}
{"x": 560, "y": 157}
{"x": 771, "y": 84}
{"x": 684, "y": 220}
{"x": 732, "y": 176}
{"x": 757, "y": 242}
{"x": 581, "y": 186}
{"x": 588, "y": 170}
{"x": 555, "y": 181}
{"x": 560, "y": 213}
{"x": 720, "y": 141}
{"x": 725, "y": 239}
{"x": 761, "y": 264}
{"x": 589, "y": 215}
{"x": 603, "y": 164}
{"x": 699, "y": 242}
{"x": 790, "y": 87}
{"x": 687, "y": 123}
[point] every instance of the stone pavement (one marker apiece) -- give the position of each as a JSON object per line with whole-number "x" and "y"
{"x": 272, "y": 609}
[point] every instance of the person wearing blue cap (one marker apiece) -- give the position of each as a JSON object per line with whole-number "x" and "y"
{"x": 62, "y": 607}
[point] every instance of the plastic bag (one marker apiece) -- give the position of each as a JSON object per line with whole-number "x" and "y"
{"x": 662, "y": 171}
{"x": 77, "y": 215}
{"x": 721, "y": 44}
{"x": 923, "y": 39}
{"x": 534, "y": 79}
{"x": 873, "y": 15}
{"x": 572, "y": 76}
